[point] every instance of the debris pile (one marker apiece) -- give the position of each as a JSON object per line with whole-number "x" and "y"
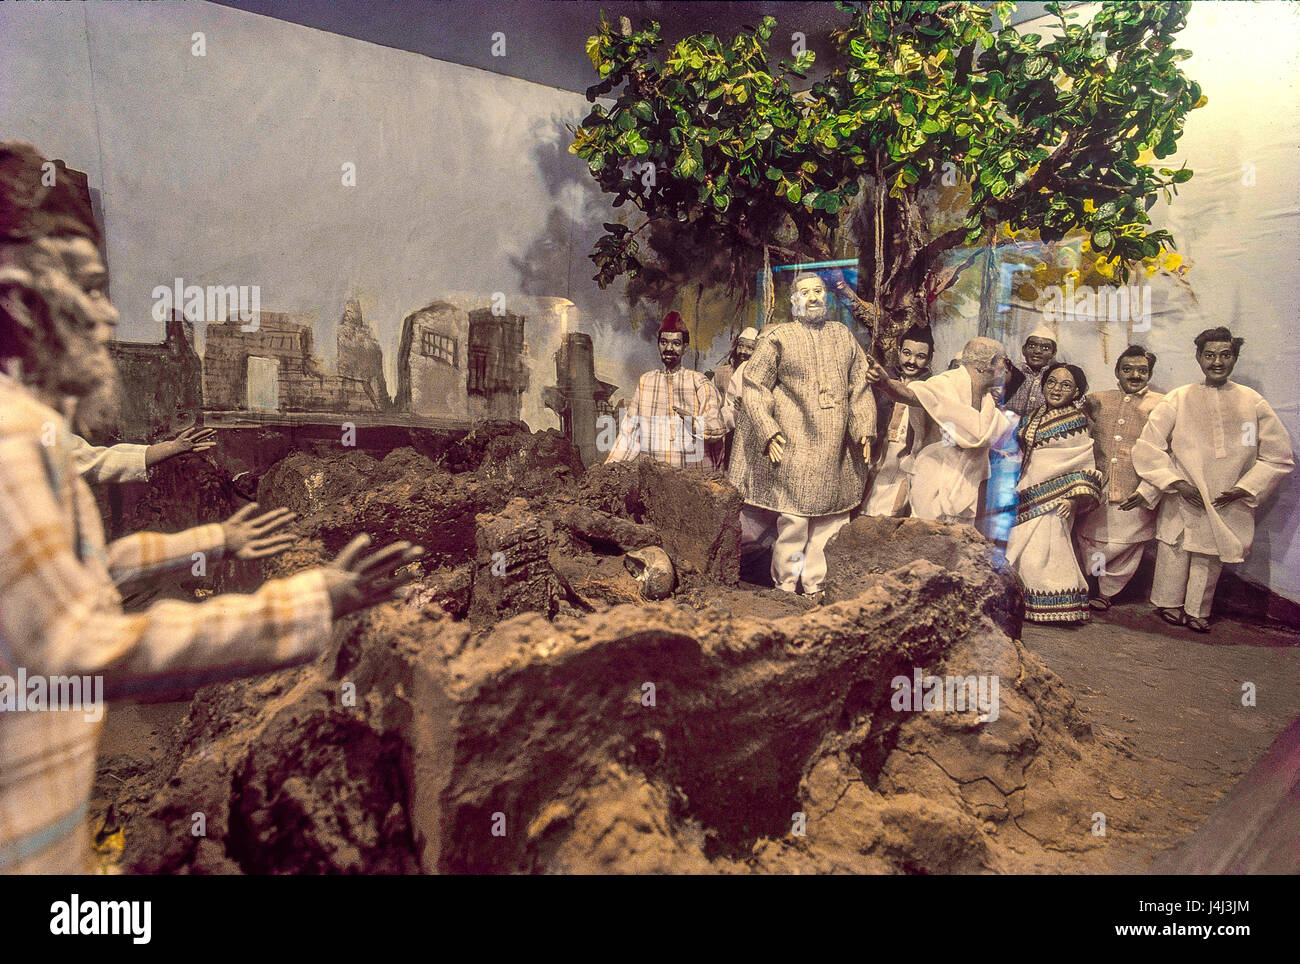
{"x": 579, "y": 683}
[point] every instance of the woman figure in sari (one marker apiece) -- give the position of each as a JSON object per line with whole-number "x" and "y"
{"x": 1058, "y": 479}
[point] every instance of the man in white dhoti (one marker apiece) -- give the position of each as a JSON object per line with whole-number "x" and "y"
{"x": 803, "y": 434}
{"x": 899, "y": 428}
{"x": 946, "y": 473}
{"x": 1111, "y": 537}
{"x": 1213, "y": 451}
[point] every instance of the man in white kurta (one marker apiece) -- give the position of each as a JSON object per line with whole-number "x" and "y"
{"x": 946, "y": 473}
{"x": 1111, "y": 537}
{"x": 1214, "y": 450}
{"x": 900, "y": 429}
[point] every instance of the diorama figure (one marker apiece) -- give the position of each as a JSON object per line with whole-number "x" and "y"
{"x": 674, "y": 411}
{"x": 732, "y": 389}
{"x": 805, "y": 396}
{"x": 899, "y": 428}
{"x": 1039, "y": 351}
{"x": 1058, "y": 479}
{"x": 129, "y": 462}
{"x": 1111, "y": 537}
{"x": 946, "y": 473}
{"x": 1213, "y": 451}
{"x": 60, "y": 613}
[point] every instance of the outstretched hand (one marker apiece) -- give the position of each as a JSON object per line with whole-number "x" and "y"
{"x": 355, "y": 583}
{"x": 875, "y": 371}
{"x": 195, "y": 439}
{"x": 248, "y": 538}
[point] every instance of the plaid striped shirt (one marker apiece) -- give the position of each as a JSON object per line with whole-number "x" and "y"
{"x": 650, "y": 426}
{"x": 61, "y": 616}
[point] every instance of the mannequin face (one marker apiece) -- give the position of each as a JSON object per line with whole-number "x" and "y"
{"x": 744, "y": 349}
{"x": 1134, "y": 372}
{"x": 671, "y": 345}
{"x": 808, "y": 300}
{"x": 1217, "y": 360}
{"x": 73, "y": 283}
{"x": 1038, "y": 352}
{"x": 913, "y": 356}
{"x": 1060, "y": 388}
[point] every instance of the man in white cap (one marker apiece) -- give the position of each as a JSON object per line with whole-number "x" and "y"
{"x": 731, "y": 386}
{"x": 1039, "y": 350}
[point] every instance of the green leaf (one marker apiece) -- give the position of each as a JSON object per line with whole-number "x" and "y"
{"x": 1102, "y": 239}
{"x": 795, "y": 193}
{"x": 687, "y": 167}
{"x": 1185, "y": 174}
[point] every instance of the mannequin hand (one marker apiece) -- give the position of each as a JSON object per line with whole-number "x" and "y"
{"x": 355, "y": 584}
{"x": 866, "y": 448}
{"x": 1065, "y": 509}
{"x": 257, "y": 538}
{"x": 774, "y": 448}
{"x": 684, "y": 413}
{"x": 1231, "y": 495}
{"x": 1188, "y": 492}
{"x": 1134, "y": 501}
{"x": 195, "y": 440}
{"x": 875, "y": 373}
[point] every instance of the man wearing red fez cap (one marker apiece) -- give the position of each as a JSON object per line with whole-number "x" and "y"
{"x": 674, "y": 412}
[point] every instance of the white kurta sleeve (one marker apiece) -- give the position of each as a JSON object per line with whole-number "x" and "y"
{"x": 1275, "y": 460}
{"x": 1151, "y": 458}
{"x": 99, "y": 464}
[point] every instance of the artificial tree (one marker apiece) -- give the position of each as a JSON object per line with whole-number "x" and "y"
{"x": 722, "y": 152}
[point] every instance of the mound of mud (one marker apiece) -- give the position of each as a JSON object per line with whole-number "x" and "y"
{"x": 524, "y": 711}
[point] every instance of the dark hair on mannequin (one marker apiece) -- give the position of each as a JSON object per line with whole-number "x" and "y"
{"x": 1218, "y": 334}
